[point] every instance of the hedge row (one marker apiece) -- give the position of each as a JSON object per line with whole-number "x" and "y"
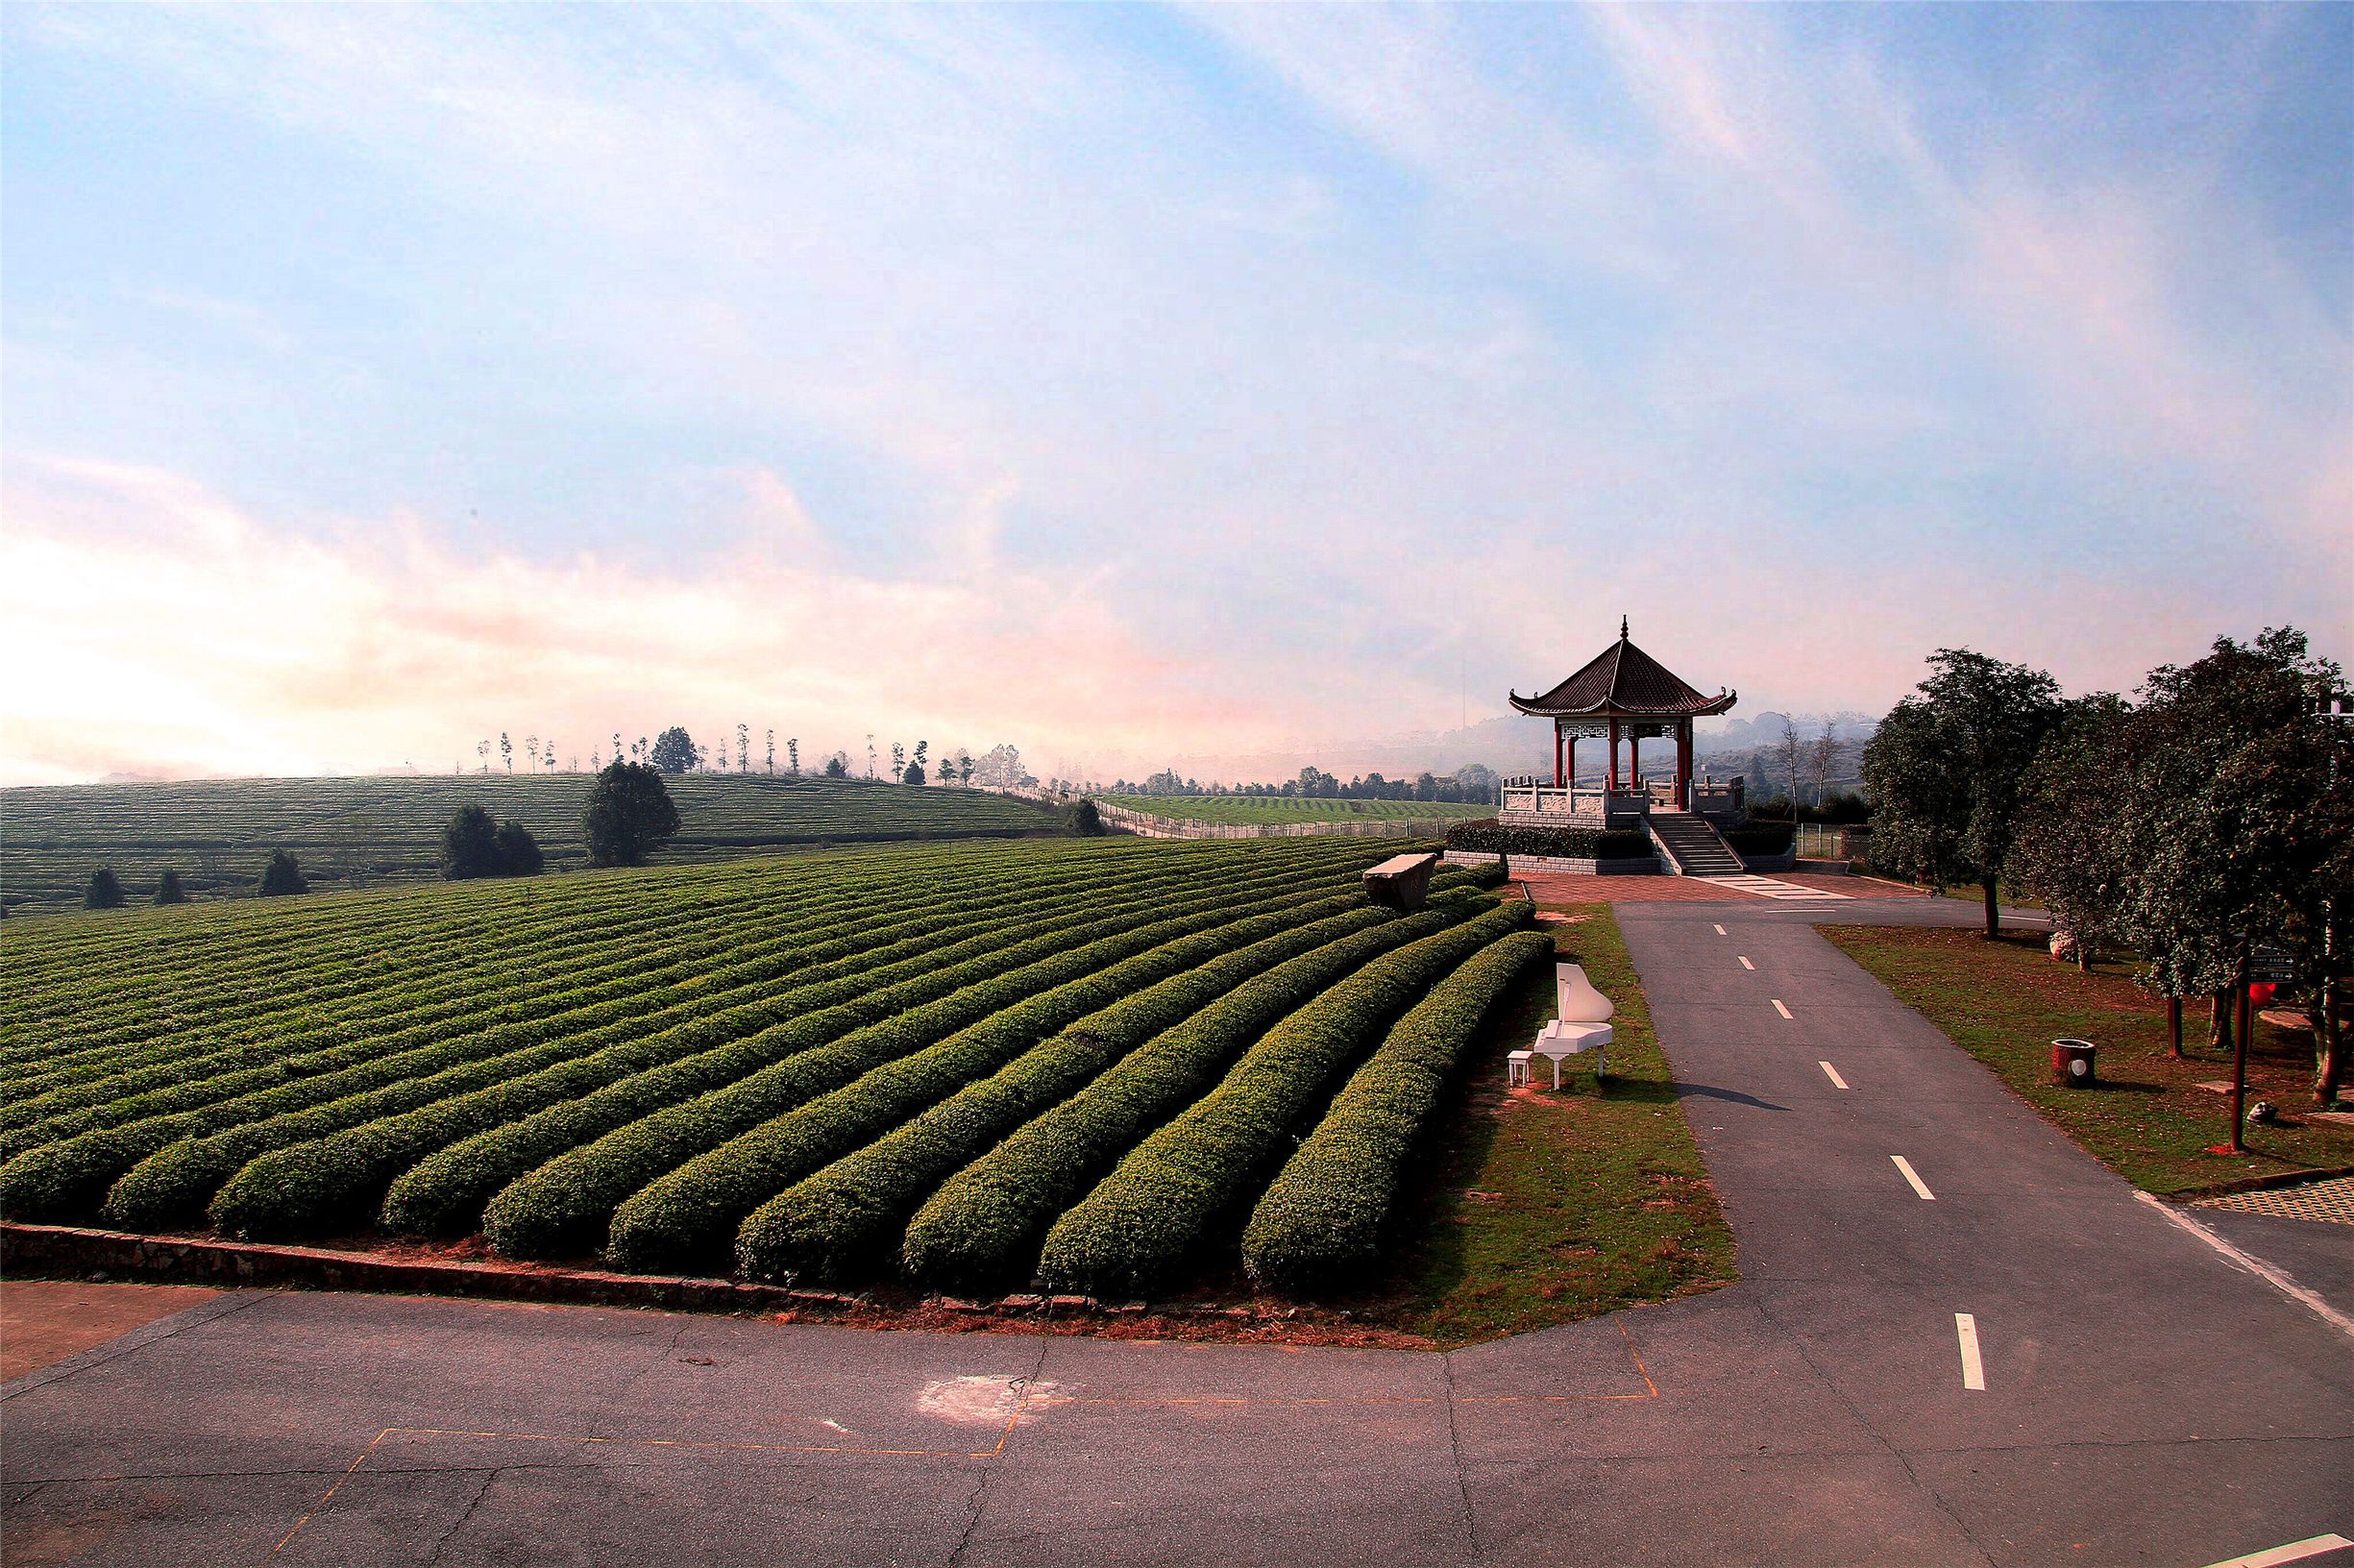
{"x": 567, "y": 1203}
{"x": 150, "y": 1120}
{"x": 1130, "y": 1235}
{"x": 66, "y": 1179}
{"x": 1488, "y": 836}
{"x": 177, "y": 1085}
{"x": 1320, "y": 1222}
{"x": 845, "y": 1221}
{"x": 342, "y": 986}
{"x": 686, "y": 1218}
{"x": 1759, "y": 838}
{"x": 985, "y": 1221}
{"x": 667, "y": 940}
{"x": 326, "y": 1181}
{"x": 448, "y": 1193}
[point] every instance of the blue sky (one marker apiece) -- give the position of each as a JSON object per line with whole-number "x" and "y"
{"x": 1136, "y": 383}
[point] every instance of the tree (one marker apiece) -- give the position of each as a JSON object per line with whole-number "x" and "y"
{"x": 838, "y": 766}
{"x": 674, "y": 752}
{"x": 105, "y": 892}
{"x": 629, "y": 815}
{"x": 898, "y": 760}
{"x": 964, "y": 770}
{"x": 2067, "y": 849}
{"x": 482, "y": 750}
{"x": 771, "y": 752}
{"x": 2239, "y": 827}
{"x": 922, "y": 748}
{"x": 518, "y": 852}
{"x": 913, "y": 774}
{"x": 282, "y": 875}
{"x": 506, "y": 752}
{"x": 168, "y": 890}
{"x": 531, "y": 747}
{"x": 1788, "y": 751}
{"x": 792, "y": 755}
{"x": 1946, "y": 766}
{"x": 469, "y": 846}
{"x": 1825, "y": 752}
{"x": 1086, "y": 821}
{"x": 743, "y": 749}
{"x": 870, "y": 754}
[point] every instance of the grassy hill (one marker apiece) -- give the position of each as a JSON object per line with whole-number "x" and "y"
{"x": 350, "y": 832}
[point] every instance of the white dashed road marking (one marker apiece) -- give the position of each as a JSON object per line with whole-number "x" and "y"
{"x": 1778, "y": 1008}
{"x": 1973, "y": 1370}
{"x": 1720, "y": 930}
{"x": 1746, "y": 965}
{"x": 2294, "y": 1552}
{"x": 1832, "y": 1073}
{"x": 1906, "y": 1166}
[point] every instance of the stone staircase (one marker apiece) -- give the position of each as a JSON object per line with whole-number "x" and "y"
{"x": 1691, "y": 845}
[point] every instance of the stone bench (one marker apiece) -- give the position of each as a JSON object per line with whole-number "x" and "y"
{"x": 1402, "y": 882}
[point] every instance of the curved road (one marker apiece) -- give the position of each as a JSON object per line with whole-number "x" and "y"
{"x": 1991, "y": 1352}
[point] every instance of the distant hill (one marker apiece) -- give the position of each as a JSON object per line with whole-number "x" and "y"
{"x": 349, "y": 832}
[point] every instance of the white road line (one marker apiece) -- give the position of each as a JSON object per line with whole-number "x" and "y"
{"x": 2264, "y": 1271}
{"x": 1906, "y": 1166}
{"x": 1832, "y": 1073}
{"x": 2294, "y": 1552}
{"x": 1778, "y": 1008}
{"x": 1746, "y": 965}
{"x": 1973, "y": 1370}
{"x": 1720, "y": 930}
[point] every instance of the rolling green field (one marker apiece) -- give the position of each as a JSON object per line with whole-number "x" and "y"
{"x": 1260, "y": 810}
{"x": 1107, "y": 1064}
{"x": 351, "y": 832}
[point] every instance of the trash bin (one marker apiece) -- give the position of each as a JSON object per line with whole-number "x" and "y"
{"x": 2071, "y": 1063}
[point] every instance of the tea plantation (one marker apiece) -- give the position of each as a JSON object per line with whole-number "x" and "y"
{"x": 1101, "y": 1063}
{"x": 350, "y": 832}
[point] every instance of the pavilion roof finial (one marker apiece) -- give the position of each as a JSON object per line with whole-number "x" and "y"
{"x": 1622, "y": 628}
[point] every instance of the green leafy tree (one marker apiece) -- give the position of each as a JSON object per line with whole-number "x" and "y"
{"x": 629, "y": 815}
{"x": 517, "y": 851}
{"x": 1085, "y": 819}
{"x": 105, "y": 892}
{"x": 2068, "y": 846}
{"x": 674, "y": 752}
{"x": 470, "y": 845}
{"x": 838, "y": 766}
{"x": 282, "y": 875}
{"x": 168, "y": 890}
{"x": 1947, "y": 765}
{"x": 506, "y": 752}
{"x": 792, "y": 755}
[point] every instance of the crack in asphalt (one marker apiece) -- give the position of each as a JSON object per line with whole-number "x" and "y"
{"x": 1454, "y": 1447}
{"x": 989, "y": 1468}
{"x": 489, "y": 1477}
{"x": 138, "y": 1339}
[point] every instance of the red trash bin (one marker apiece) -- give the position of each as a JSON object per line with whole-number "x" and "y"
{"x": 2071, "y": 1063}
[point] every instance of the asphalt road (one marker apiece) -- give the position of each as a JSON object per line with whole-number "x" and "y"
{"x": 2143, "y": 1401}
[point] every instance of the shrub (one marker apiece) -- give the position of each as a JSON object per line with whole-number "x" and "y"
{"x": 469, "y": 846}
{"x": 105, "y": 892}
{"x": 985, "y": 1220}
{"x": 168, "y": 890}
{"x": 629, "y": 815}
{"x": 843, "y": 1220}
{"x": 282, "y": 875}
{"x": 1320, "y": 1223}
{"x": 1086, "y": 821}
{"x": 518, "y": 852}
{"x": 1758, "y": 838}
{"x": 1488, "y": 836}
{"x": 1161, "y": 1203}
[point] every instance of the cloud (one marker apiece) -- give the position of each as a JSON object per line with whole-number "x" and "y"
{"x": 189, "y": 636}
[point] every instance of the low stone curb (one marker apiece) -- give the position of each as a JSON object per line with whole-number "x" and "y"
{"x": 74, "y": 1250}
{"x": 77, "y": 1250}
{"x": 2258, "y": 1184}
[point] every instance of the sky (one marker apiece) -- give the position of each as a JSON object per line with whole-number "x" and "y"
{"x": 1141, "y": 385}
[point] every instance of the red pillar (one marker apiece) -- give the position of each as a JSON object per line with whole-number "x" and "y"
{"x": 1611, "y": 778}
{"x": 1683, "y": 765}
{"x": 1557, "y": 764}
{"x": 1635, "y": 759}
{"x": 1569, "y": 774}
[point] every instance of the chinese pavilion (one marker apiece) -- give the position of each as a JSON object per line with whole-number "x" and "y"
{"x": 1622, "y": 694}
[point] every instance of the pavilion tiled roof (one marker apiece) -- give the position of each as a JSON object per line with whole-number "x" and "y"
{"x": 1624, "y": 681}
